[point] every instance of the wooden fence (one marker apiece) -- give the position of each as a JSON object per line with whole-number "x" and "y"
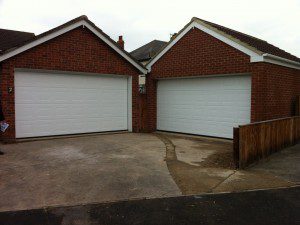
{"x": 255, "y": 141}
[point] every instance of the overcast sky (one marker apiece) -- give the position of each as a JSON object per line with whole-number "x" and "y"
{"x": 141, "y": 21}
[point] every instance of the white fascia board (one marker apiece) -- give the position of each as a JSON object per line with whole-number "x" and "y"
{"x": 228, "y": 41}
{"x": 39, "y": 41}
{"x": 113, "y": 46}
{"x": 254, "y": 56}
{"x": 65, "y": 30}
{"x": 170, "y": 45}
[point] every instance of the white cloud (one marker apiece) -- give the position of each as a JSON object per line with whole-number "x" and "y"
{"x": 142, "y": 21}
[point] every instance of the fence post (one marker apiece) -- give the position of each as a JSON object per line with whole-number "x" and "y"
{"x": 236, "y": 147}
{"x": 292, "y": 132}
{"x": 297, "y": 106}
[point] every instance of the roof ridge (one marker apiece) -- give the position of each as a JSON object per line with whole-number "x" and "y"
{"x": 83, "y": 17}
{"x": 147, "y": 44}
{"x": 205, "y": 21}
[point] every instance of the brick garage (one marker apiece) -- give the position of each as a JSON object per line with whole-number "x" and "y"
{"x": 196, "y": 52}
{"x": 78, "y": 50}
{"x": 200, "y": 50}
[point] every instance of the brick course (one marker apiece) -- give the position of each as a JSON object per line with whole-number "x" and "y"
{"x": 78, "y": 50}
{"x": 274, "y": 91}
{"x": 274, "y": 88}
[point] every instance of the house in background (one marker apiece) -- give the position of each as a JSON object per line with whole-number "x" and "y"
{"x": 69, "y": 80}
{"x": 146, "y": 52}
{"x": 11, "y": 38}
{"x": 209, "y": 79}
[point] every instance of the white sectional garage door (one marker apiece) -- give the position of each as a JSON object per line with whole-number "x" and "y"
{"x": 61, "y": 103}
{"x": 209, "y": 106}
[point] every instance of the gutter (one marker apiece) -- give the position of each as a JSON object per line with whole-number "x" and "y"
{"x": 281, "y": 61}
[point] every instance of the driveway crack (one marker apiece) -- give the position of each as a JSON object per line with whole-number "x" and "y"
{"x": 218, "y": 184}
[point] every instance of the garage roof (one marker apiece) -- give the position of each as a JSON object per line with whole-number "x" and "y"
{"x": 77, "y": 22}
{"x": 258, "y": 50}
{"x": 257, "y": 43}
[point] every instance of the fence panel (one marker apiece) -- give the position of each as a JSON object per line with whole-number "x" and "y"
{"x": 259, "y": 140}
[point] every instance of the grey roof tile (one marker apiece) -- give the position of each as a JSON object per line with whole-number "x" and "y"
{"x": 147, "y": 51}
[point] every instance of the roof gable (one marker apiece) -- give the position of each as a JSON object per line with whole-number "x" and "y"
{"x": 77, "y": 22}
{"x": 231, "y": 38}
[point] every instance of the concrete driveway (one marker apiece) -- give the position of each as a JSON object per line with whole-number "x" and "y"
{"x": 112, "y": 167}
{"x": 81, "y": 170}
{"x": 204, "y": 165}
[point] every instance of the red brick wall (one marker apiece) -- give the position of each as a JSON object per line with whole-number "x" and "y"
{"x": 274, "y": 88}
{"x": 198, "y": 53}
{"x": 78, "y": 50}
{"x": 274, "y": 91}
